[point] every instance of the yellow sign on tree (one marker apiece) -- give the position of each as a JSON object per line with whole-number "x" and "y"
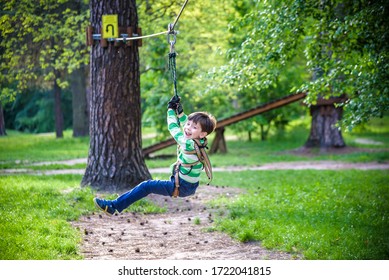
{"x": 110, "y": 26}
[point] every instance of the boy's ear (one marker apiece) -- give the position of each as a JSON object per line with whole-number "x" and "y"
{"x": 203, "y": 134}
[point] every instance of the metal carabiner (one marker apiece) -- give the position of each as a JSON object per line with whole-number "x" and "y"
{"x": 171, "y": 37}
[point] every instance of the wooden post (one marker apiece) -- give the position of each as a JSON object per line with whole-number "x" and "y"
{"x": 139, "y": 31}
{"x": 129, "y": 32}
{"x": 89, "y": 36}
{"x": 103, "y": 42}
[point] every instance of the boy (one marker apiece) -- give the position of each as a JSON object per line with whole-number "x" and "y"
{"x": 185, "y": 172}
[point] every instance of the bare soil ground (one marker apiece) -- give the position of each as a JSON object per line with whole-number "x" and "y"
{"x": 180, "y": 233}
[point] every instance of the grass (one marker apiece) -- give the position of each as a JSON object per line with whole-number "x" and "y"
{"x": 36, "y": 212}
{"x": 24, "y": 147}
{"x": 319, "y": 214}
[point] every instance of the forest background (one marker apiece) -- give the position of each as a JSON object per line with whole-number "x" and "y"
{"x": 232, "y": 56}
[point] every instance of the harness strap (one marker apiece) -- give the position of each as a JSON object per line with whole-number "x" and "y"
{"x": 176, "y": 191}
{"x": 177, "y": 171}
{"x": 202, "y": 157}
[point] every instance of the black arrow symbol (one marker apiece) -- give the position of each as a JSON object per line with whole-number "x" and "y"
{"x": 113, "y": 29}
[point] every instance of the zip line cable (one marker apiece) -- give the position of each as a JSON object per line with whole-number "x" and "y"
{"x": 170, "y": 31}
{"x": 179, "y": 14}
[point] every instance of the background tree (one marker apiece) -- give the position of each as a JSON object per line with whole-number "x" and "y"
{"x": 245, "y": 90}
{"x": 2, "y": 123}
{"x": 41, "y": 45}
{"x": 115, "y": 159}
{"x": 201, "y": 43}
{"x": 351, "y": 52}
{"x": 79, "y": 86}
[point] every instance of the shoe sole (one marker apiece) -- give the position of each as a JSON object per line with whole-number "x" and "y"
{"x": 104, "y": 210}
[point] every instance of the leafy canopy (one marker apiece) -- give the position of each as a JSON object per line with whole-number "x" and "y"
{"x": 41, "y": 43}
{"x": 344, "y": 43}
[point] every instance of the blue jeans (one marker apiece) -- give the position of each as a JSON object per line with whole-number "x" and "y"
{"x": 145, "y": 188}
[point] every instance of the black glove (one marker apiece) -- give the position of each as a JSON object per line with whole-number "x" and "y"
{"x": 174, "y": 102}
{"x": 179, "y": 109}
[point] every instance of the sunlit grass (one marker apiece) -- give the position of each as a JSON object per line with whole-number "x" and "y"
{"x": 319, "y": 214}
{"x": 24, "y": 147}
{"x": 36, "y": 212}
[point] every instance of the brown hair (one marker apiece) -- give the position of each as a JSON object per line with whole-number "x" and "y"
{"x": 206, "y": 121}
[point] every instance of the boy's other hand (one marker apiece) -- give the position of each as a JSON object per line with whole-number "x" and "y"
{"x": 174, "y": 102}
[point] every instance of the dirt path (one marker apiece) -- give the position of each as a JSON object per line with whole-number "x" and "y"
{"x": 180, "y": 233}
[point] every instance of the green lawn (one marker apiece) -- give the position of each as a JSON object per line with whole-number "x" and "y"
{"x": 36, "y": 212}
{"x": 339, "y": 214}
{"x": 322, "y": 214}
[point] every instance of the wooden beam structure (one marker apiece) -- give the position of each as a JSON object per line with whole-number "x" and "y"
{"x": 235, "y": 118}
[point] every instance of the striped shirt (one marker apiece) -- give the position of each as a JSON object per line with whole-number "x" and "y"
{"x": 189, "y": 174}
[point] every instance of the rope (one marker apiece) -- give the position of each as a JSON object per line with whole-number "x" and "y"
{"x": 172, "y": 53}
{"x": 172, "y": 68}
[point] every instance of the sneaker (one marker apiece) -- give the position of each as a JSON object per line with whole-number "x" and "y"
{"x": 105, "y": 205}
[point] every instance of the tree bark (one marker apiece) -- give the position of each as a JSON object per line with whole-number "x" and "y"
{"x": 115, "y": 160}
{"x": 79, "y": 103}
{"x": 219, "y": 142}
{"x": 324, "y": 134}
{"x": 58, "y": 114}
{"x": 2, "y": 122}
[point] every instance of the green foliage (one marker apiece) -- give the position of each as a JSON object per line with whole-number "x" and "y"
{"x": 319, "y": 214}
{"x": 344, "y": 45}
{"x": 33, "y": 112}
{"x": 199, "y": 43}
{"x": 41, "y": 43}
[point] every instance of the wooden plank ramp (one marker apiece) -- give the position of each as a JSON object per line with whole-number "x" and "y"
{"x": 235, "y": 118}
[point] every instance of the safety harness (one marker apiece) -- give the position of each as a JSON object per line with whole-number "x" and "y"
{"x": 202, "y": 157}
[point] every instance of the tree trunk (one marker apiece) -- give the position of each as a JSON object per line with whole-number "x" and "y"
{"x": 58, "y": 115}
{"x": 324, "y": 134}
{"x": 78, "y": 85}
{"x": 219, "y": 142}
{"x": 115, "y": 160}
{"x": 2, "y": 122}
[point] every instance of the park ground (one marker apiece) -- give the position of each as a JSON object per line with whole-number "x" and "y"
{"x": 186, "y": 229}
{"x": 182, "y": 232}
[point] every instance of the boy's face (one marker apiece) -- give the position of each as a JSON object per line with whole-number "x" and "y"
{"x": 193, "y": 130}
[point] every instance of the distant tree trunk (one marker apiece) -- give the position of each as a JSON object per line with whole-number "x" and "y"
{"x": 324, "y": 134}
{"x": 219, "y": 142}
{"x": 78, "y": 85}
{"x": 58, "y": 115}
{"x": 2, "y": 122}
{"x": 115, "y": 160}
